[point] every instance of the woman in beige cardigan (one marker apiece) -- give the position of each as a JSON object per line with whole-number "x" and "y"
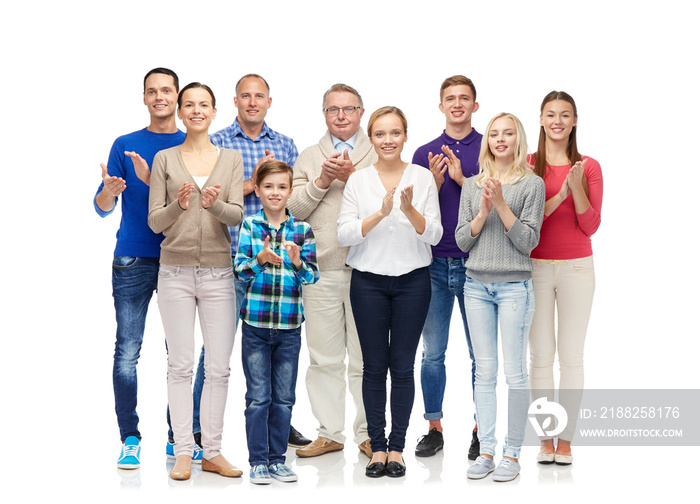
{"x": 196, "y": 192}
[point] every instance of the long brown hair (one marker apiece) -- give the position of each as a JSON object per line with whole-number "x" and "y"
{"x": 572, "y": 152}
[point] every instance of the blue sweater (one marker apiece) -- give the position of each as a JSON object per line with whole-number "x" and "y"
{"x": 134, "y": 237}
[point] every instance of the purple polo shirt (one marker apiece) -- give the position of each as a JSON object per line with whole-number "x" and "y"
{"x": 467, "y": 150}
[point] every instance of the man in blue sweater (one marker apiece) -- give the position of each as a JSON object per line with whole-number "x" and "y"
{"x": 136, "y": 256}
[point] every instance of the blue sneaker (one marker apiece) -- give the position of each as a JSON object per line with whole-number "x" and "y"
{"x": 281, "y": 472}
{"x": 196, "y": 456}
{"x": 260, "y": 475}
{"x": 130, "y": 457}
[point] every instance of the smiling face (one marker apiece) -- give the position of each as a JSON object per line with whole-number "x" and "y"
{"x": 503, "y": 138}
{"x": 388, "y": 137}
{"x": 458, "y": 104}
{"x": 160, "y": 96}
{"x": 558, "y": 120}
{"x": 343, "y": 126}
{"x": 252, "y": 101}
{"x": 274, "y": 191}
{"x": 196, "y": 110}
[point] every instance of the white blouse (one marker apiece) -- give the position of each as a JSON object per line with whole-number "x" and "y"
{"x": 392, "y": 247}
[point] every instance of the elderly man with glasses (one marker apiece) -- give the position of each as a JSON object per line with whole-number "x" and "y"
{"x": 320, "y": 174}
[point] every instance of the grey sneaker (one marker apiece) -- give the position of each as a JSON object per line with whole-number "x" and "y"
{"x": 507, "y": 470}
{"x": 481, "y": 467}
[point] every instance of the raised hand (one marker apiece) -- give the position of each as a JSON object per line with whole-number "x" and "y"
{"x": 387, "y": 203}
{"x": 438, "y": 167}
{"x": 113, "y": 186}
{"x": 140, "y": 167}
{"x": 210, "y": 195}
{"x": 293, "y": 252}
{"x": 406, "y": 198}
{"x": 576, "y": 179}
{"x": 495, "y": 191}
{"x": 183, "y": 195}
{"x": 454, "y": 166}
{"x": 267, "y": 255}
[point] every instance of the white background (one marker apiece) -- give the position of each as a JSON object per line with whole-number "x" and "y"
{"x": 72, "y": 82}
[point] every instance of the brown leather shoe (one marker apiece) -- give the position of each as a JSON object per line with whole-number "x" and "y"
{"x": 319, "y": 447}
{"x": 182, "y": 468}
{"x": 365, "y": 448}
{"x": 228, "y": 470}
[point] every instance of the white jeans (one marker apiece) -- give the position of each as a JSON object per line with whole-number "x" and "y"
{"x": 182, "y": 291}
{"x": 565, "y": 287}
{"x": 330, "y": 335}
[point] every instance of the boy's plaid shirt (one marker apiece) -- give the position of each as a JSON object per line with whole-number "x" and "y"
{"x": 273, "y": 298}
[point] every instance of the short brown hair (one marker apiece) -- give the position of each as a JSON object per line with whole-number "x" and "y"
{"x": 272, "y": 166}
{"x": 456, "y": 80}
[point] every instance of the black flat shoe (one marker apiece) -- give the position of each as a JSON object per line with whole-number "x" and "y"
{"x": 395, "y": 469}
{"x": 376, "y": 470}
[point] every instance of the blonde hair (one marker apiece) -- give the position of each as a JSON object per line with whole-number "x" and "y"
{"x": 487, "y": 163}
{"x": 386, "y": 111}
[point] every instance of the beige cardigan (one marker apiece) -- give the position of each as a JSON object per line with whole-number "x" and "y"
{"x": 196, "y": 236}
{"x": 320, "y": 207}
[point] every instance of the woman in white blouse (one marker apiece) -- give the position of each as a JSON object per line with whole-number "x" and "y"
{"x": 390, "y": 216}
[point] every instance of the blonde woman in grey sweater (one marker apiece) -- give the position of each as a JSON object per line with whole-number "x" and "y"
{"x": 196, "y": 191}
{"x": 500, "y": 216}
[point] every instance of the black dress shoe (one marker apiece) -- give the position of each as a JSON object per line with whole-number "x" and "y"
{"x": 474, "y": 448}
{"x": 395, "y": 469}
{"x": 376, "y": 470}
{"x": 430, "y": 444}
{"x": 296, "y": 439}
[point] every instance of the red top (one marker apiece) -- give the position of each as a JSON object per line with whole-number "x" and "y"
{"x": 566, "y": 234}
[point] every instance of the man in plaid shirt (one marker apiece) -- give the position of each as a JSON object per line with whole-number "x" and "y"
{"x": 257, "y": 142}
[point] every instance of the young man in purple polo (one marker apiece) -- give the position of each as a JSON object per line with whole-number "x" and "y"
{"x": 452, "y": 157}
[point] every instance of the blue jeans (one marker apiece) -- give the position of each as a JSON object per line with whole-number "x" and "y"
{"x": 513, "y": 305}
{"x": 134, "y": 279}
{"x": 270, "y": 364}
{"x": 447, "y": 277}
{"x": 389, "y": 314}
{"x": 240, "y": 286}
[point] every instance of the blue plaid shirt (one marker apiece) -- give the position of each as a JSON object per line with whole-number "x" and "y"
{"x": 252, "y": 151}
{"x": 273, "y": 296}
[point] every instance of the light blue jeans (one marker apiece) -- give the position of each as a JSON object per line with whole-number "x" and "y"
{"x": 513, "y": 305}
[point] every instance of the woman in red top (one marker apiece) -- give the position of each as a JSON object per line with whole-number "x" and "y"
{"x": 563, "y": 274}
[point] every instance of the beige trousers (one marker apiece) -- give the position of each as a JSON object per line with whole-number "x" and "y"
{"x": 564, "y": 287}
{"x": 330, "y": 336}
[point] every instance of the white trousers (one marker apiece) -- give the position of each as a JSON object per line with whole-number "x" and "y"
{"x": 330, "y": 336}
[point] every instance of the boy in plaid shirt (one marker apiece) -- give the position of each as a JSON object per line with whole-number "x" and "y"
{"x": 276, "y": 255}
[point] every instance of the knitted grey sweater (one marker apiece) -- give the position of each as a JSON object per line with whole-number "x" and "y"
{"x": 497, "y": 255}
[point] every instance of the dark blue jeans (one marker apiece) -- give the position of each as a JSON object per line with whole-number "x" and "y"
{"x": 389, "y": 315}
{"x": 134, "y": 279}
{"x": 270, "y": 364}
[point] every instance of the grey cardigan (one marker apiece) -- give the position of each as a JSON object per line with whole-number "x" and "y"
{"x": 196, "y": 236}
{"x": 497, "y": 255}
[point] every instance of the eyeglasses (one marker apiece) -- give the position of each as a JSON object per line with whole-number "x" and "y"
{"x": 333, "y": 111}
